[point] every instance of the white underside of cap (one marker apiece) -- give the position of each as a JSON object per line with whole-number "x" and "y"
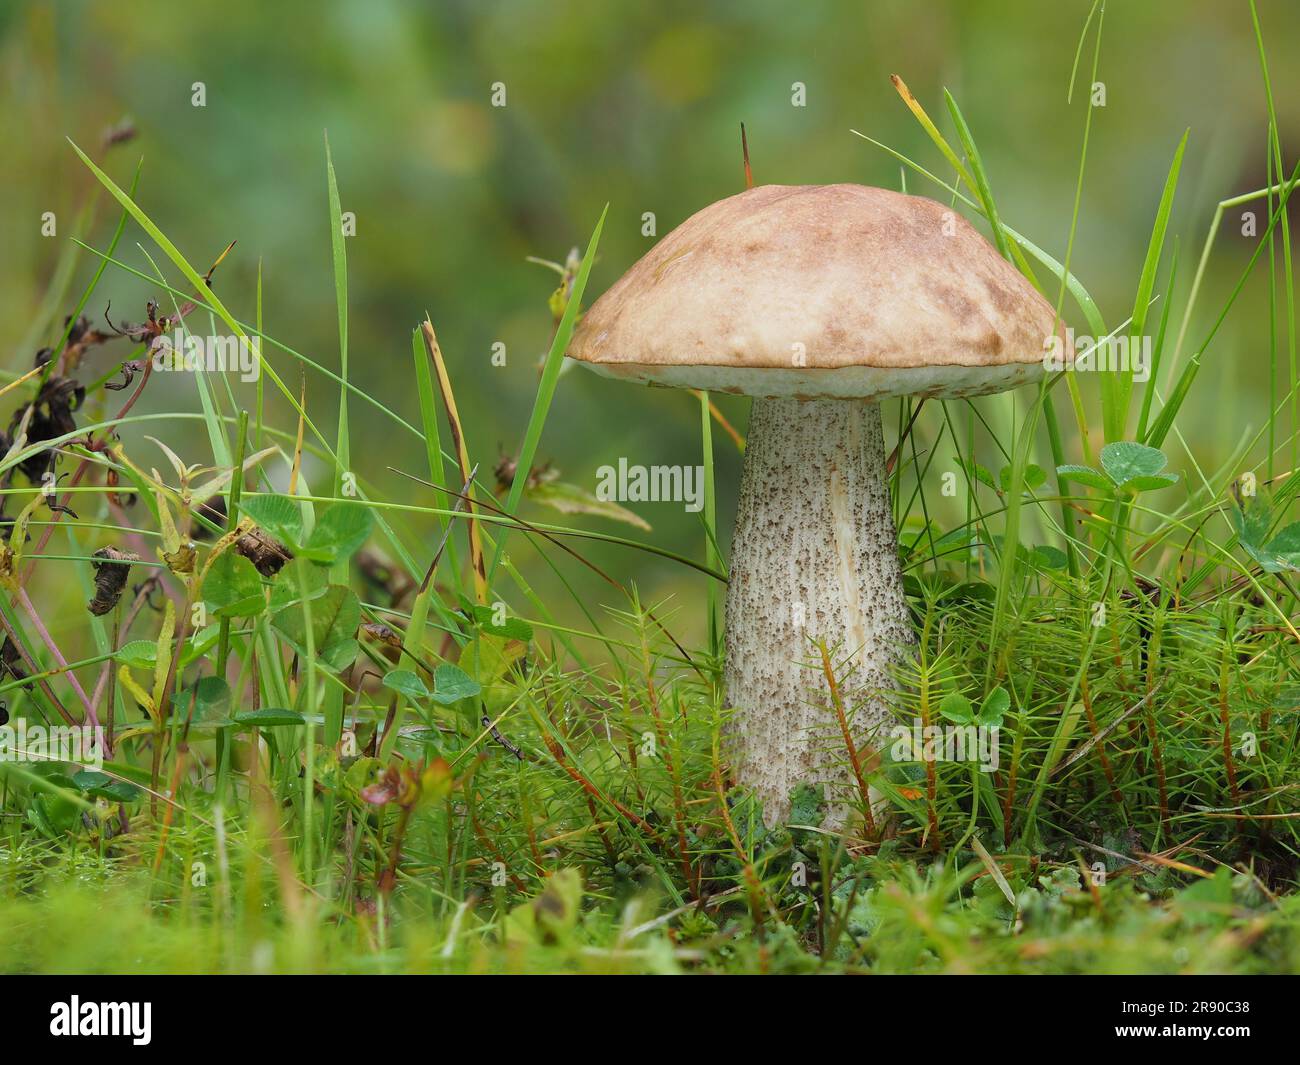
{"x": 844, "y": 382}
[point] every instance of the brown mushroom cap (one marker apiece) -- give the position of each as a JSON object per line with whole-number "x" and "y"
{"x": 823, "y": 291}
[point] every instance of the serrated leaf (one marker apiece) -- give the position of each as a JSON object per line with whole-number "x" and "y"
{"x": 1034, "y": 477}
{"x": 995, "y": 705}
{"x": 957, "y": 709}
{"x": 1150, "y": 482}
{"x": 1285, "y": 546}
{"x": 1287, "y": 541}
{"x": 1253, "y": 519}
{"x": 290, "y": 582}
{"x": 101, "y": 786}
{"x": 338, "y": 656}
{"x": 278, "y": 515}
{"x": 451, "y": 684}
{"x": 982, "y": 474}
{"x": 233, "y": 587}
{"x": 210, "y": 697}
{"x": 492, "y": 657}
{"x": 1085, "y": 475}
{"x": 485, "y": 618}
{"x": 143, "y": 654}
{"x": 1124, "y": 460}
{"x": 335, "y": 616}
{"x": 407, "y": 683}
{"x": 340, "y": 532}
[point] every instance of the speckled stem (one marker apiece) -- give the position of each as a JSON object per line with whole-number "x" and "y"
{"x": 814, "y": 555}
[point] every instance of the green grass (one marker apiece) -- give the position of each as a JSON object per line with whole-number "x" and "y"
{"x": 445, "y": 772}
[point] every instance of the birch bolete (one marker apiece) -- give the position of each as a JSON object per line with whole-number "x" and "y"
{"x": 819, "y": 302}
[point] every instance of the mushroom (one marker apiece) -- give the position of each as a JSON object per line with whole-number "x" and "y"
{"x": 819, "y": 301}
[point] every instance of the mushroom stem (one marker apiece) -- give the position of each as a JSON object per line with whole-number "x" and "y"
{"x": 814, "y": 557}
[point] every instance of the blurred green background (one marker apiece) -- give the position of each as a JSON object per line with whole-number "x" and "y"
{"x": 635, "y": 105}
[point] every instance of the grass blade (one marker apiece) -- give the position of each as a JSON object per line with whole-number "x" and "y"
{"x": 550, "y": 377}
{"x": 1118, "y": 426}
